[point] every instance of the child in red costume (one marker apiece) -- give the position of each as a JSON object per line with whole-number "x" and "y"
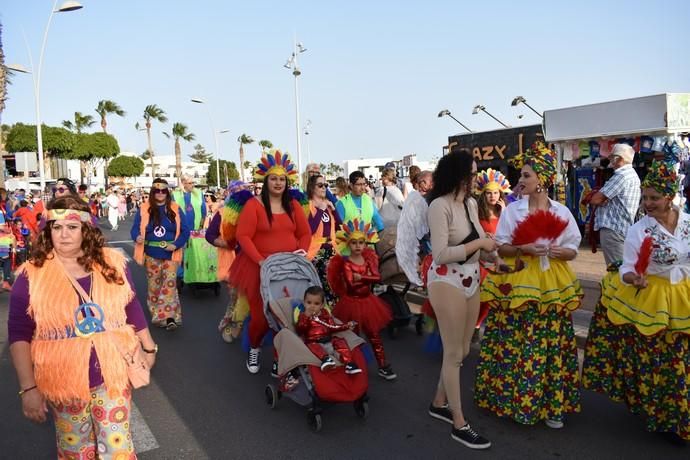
{"x": 316, "y": 326}
{"x": 351, "y": 278}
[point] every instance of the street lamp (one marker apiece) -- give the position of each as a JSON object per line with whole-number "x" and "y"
{"x": 65, "y": 7}
{"x": 446, "y": 112}
{"x": 196, "y": 100}
{"x": 307, "y": 132}
{"x": 291, "y": 64}
{"x": 520, "y": 99}
{"x": 480, "y": 108}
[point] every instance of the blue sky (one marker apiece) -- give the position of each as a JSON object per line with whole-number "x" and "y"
{"x": 373, "y": 79}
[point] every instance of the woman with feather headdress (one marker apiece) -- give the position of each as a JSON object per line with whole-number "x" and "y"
{"x": 638, "y": 348}
{"x": 528, "y": 368}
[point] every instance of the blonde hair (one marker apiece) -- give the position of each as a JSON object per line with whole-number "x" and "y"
{"x": 388, "y": 174}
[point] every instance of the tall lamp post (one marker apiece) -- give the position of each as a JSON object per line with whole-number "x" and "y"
{"x": 520, "y": 99}
{"x": 480, "y": 108}
{"x": 196, "y": 100}
{"x": 291, "y": 64}
{"x": 446, "y": 112}
{"x": 36, "y": 76}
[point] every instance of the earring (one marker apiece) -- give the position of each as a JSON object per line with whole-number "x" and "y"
{"x": 539, "y": 189}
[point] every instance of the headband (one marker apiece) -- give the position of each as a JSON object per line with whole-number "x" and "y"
{"x": 662, "y": 178}
{"x": 355, "y": 230}
{"x": 159, "y": 186}
{"x": 277, "y": 163}
{"x": 492, "y": 180}
{"x": 69, "y": 214}
{"x": 541, "y": 159}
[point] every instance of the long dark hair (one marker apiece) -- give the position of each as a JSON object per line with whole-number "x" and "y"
{"x": 483, "y": 206}
{"x": 285, "y": 200}
{"x": 92, "y": 243}
{"x": 311, "y": 185}
{"x": 453, "y": 174}
{"x": 154, "y": 215}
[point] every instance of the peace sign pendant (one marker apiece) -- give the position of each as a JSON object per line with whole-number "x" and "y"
{"x": 88, "y": 319}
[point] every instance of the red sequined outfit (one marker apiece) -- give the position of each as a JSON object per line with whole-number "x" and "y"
{"x": 316, "y": 330}
{"x": 357, "y": 303}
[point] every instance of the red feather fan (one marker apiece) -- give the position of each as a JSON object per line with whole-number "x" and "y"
{"x": 644, "y": 256}
{"x": 540, "y": 224}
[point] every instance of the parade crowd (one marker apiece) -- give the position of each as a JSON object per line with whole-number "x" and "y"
{"x": 487, "y": 252}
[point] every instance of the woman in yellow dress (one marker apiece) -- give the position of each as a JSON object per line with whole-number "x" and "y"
{"x": 638, "y": 349}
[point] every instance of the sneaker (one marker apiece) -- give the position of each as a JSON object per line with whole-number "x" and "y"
{"x": 352, "y": 368}
{"x": 226, "y": 334}
{"x": 327, "y": 362}
{"x": 253, "y": 365}
{"x": 442, "y": 413}
{"x": 387, "y": 373}
{"x": 470, "y": 438}
{"x": 170, "y": 324}
{"x": 274, "y": 370}
{"x": 553, "y": 423}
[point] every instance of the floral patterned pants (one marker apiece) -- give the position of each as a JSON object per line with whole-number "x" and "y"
{"x": 98, "y": 428}
{"x": 163, "y": 300}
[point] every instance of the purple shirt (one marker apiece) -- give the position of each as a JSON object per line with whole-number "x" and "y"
{"x": 21, "y": 326}
{"x": 324, "y": 216}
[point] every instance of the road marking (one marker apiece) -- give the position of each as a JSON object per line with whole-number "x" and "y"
{"x": 120, "y": 242}
{"x": 143, "y": 438}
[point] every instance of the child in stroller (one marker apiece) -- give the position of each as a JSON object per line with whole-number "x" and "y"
{"x": 316, "y": 326}
{"x": 284, "y": 279}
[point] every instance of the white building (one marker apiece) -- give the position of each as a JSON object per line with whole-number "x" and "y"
{"x": 369, "y": 166}
{"x": 165, "y": 168}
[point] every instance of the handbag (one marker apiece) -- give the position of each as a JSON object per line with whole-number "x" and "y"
{"x": 138, "y": 370}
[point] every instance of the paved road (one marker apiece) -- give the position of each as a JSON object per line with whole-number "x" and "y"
{"x": 204, "y": 404}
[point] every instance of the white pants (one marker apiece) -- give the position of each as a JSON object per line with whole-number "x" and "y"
{"x": 112, "y": 217}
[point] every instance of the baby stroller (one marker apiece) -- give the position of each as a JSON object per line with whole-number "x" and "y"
{"x": 391, "y": 274}
{"x": 284, "y": 278}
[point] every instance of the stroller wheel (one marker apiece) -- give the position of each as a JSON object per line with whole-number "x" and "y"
{"x": 362, "y": 409}
{"x": 314, "y": 421}
{"x": 272, "y": 396}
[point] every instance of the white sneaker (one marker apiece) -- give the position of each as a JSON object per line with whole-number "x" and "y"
{"x": 253, "y": 365}
{"x": 555, "y": 424}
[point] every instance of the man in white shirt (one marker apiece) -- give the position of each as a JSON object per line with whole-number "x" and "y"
{"x": 113, "y": 212}
{"x": 413, "y": 228}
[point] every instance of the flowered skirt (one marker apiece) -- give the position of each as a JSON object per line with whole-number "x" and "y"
{"x": 320, "y": 262}
{"x": 650, "y": 373}
{"x": 528, "y": 368}
{"x": 163, "y": 300}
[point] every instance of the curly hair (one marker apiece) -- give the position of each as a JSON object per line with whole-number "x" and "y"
{"x": 154, "y": 215}
{"x": 453, "y": 174}
{"x": 92, "y": 243}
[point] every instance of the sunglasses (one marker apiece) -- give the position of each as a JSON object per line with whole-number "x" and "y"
{"x": 161, "y": 191}
{"x": 322, "y": 185}
{"x": 60, "y": 189}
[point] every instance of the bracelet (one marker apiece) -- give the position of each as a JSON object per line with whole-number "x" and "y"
{"x": 153, "y": 351}
{"x": 21, "y": 392}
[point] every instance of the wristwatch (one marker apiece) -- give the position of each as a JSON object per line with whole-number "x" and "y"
{"x": 153, "y": 351}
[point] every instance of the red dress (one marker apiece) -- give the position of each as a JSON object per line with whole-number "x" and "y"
{"x": 257, "y": 240}
{"x": 357, "y": 302}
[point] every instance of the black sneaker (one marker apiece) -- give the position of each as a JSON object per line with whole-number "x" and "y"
{"x": 170, "y": 324}
{"x": 274, "y": 370}
{"x": 442, "y": 413}
{"x": 352, "y": 368}
{"x": 253, "y": 365}
{"x": 327, "y": 362}
{"x": 470, "y": 438}
{"x": 387, "y": 373}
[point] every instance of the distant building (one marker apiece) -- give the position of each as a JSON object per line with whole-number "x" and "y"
{"x": 165, "y": 168}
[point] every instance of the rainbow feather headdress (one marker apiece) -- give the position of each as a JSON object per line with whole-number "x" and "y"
{"x": 278, "y": 163}
{"x": 355, "y": 230}
{"x": 492, "y": 180}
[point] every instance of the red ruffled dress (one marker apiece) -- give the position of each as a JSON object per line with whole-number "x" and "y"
{"x": 258, "y": 239}
{"x": 358, "y": 303}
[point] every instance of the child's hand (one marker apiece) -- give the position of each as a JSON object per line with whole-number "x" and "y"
{"x": 352, "y": 325}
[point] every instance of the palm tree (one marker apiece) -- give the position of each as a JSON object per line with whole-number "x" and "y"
{"x": 152, "y": 112}
{"x": 80, "y": 122}
{"x": 106, "y": 107}
{"x": 179, "y": 131}
{"x": 265, "y": 144}
{"x": 243, "y": 139}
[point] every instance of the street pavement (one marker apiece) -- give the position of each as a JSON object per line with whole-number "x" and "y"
{"x": 203, "y": 404}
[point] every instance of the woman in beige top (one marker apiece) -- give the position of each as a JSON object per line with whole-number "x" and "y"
{"x": 453, "y": 282}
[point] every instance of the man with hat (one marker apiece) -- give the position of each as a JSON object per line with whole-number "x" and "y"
{"x": 618, "y": 201}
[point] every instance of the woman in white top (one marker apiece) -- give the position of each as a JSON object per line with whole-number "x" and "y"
{"x": 390, "y": 199}
{"x": 528, "y": 368}
{"x": 638, "y": 348}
